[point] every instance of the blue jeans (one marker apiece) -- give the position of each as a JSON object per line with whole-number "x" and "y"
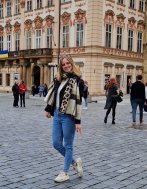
{"x": 135, "y": 103}
{"x": 64, "y": 131}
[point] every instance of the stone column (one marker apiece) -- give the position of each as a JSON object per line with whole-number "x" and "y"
{"x": 24, "y": 73}
{"x": 21, "y": 72}
{"x": 41, "y": 74}
{"x": 46, "y": 75}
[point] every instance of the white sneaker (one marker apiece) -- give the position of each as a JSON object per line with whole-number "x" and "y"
{"x": 62, "y": 177}
{"x": 78, "y": 167}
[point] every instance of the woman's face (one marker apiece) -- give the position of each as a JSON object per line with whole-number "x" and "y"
{"x": 66, "y": 65}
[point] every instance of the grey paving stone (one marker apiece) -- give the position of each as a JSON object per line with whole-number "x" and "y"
{"x": 114, "y": 156}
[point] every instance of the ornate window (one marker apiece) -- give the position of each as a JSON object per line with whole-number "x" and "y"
{"x": 130, "y": 40}
{"x": 38, "y": 35}
{"x": 1, "y": 43}
{"x": 49, "y": 3}
{"x": 108, "y": 35}
{"x": 141, "y": 5}
{"x": 8, "y": 5}
{"x": 28, "y": 40}
{"x": 39, "y": 4}
{"x": 132, "y": 4}
{"x": 7, "y": 79}
{"x": 65, "y": 36}
{"x": 9, "y": 42}
{"x": 49, "y": 37}
{"x": 29, "y": 5}
{"x": 79, "y": 34}
{"x": 17, "y": 6}
{"x": 17, "y": 41}
{"x": 1, "y": 10}
{"x": 119, "y": 38}
{"x": 121, "y": 1}
{"x": 139, "y": 42}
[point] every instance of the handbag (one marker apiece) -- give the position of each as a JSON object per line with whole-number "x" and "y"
{"x": 117, "y": 98}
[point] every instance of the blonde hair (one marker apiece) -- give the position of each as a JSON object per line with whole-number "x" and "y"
{"x": 75, "y": 69}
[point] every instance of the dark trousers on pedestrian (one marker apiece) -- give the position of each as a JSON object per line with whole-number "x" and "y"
{"x": 113, "y": 107}
{"x": 16, "y": 99}
{"x": 22, "y": 99}
{"x": 135, "y": 103}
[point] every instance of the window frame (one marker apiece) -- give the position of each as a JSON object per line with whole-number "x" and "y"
{"x": 17, "y": 8}
{"x": 80, "y": 34}
{"x": 9, "y": 42}
{"x": 8, "y": 79}
{"x": 38, "y": 4}
{"x": 49, "y": 3}
{"x": 130, "y": 40}
{"x": 119, "y": 36}
{"x": 108, "y": 36}
{"x": 132, "y": 4}
{"x": 29, "y": 5}
{"x": 65, "y": 36}
{"x": 141, "y": 5}
{"x": 17, "y": 41}
{"x": 28, "y": 40}
{"x": 1, "y": 10}
{"x": 139, "y": 42}
{"x": 1, "y": 43}
{"x": 49, "y": 37}
{"x": 8, "y": 7}
{"x": 38, "y": 38}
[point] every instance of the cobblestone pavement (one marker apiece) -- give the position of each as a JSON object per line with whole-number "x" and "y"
{"x": 114, "y": 156}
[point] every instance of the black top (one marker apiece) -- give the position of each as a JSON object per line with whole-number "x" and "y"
{"x": 138, "y": 90}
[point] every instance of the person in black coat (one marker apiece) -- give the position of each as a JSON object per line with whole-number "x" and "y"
{"x": 110, "y": 102}
{"x": 138, "y": 99}
{"x": 15, "y": 90}
{"x": 85, "y": 95}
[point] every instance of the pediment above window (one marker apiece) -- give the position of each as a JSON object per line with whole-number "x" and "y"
{"x": 8, "y": 28}
{"x": 28, "y": 24}
{"x": 1, "y": 30}
{"x": 49, "y": 20}
{"x": 80, "y": 16}
{"x": 66, "y": 18}
{"x": 38, "y": 22}
{"x": 17, "y": 27}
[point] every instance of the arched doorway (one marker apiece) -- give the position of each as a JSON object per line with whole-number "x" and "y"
{"x": 36, "y": 74}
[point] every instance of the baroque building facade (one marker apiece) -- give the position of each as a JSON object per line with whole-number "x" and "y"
{"x": 104, "y": 37}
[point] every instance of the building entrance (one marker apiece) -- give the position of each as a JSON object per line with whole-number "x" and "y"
{"x": 36, "y": 73}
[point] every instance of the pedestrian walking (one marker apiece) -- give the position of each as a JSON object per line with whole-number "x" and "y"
{"x": 41, "y": 89}
{"x": 112, "y": 89}
{"x": 22, "y": 90}
{"x": 64, "y": 102}
{"x": 45, "y": 90}
{"x": 138, "y": 99}
{"x": 15, "y": 90}
{"x": 85, "y": 95}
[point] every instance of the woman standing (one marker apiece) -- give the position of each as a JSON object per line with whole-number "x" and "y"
{"x": 22, "y": 90}
{"x": 64, "y": 102}
{"x": 110, "y": 101}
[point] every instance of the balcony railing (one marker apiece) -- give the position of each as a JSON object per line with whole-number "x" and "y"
{"x": 33, "y": 53}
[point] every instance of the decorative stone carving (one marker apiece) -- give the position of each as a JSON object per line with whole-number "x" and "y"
{"x": 131, "y": 23}
{"x": 38, "y": 22}
{"x": 80, "y": 16}
{"x": 8, "y": 28}
{"x": 17, "y": 27}
{"x": 66, "y": 18}
{"x": 120, "y": 20}
{"x": 28, "y": 25}
{"x": 49, "y": 20}
{"x": 1, "y": 30}
{"x": 109, "y": 17}
{"x": 22, "y": 3}
{"x": 141, "y": 25}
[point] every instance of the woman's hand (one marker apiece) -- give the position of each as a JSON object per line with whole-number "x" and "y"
{"x": 78, "y": 128}
{"x": 47, "y": 114}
